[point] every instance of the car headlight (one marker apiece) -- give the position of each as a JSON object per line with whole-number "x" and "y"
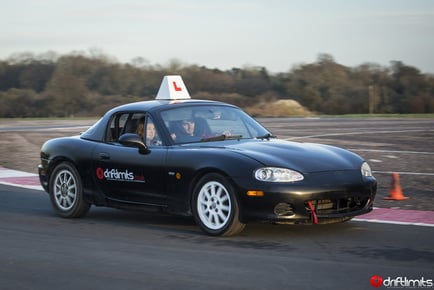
{"x": 366, "y": 169}
{"x": 276, "y": 174}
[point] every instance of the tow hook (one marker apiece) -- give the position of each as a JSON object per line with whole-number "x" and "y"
{"x": 313, "y": 216}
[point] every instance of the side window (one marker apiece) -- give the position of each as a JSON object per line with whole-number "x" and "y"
{"x": 124, "y": 123}
{"x": 116, "y": 127}
{"x": 135, "y": 124}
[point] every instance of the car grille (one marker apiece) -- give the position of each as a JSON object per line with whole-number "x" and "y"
{"x": 336, "y": 206}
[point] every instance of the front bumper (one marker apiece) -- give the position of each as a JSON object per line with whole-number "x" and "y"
{"x": 333, "y": 201}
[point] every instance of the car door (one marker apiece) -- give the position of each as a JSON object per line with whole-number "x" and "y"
{"x": 123, "y": 173}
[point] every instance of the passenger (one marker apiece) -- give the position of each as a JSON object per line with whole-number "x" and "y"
{"x": 151, "y": 135}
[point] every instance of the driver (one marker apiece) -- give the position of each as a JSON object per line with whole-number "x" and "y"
{"x": 186, "y": 129}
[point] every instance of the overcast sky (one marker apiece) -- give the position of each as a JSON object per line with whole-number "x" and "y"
{"x": 276, "y": 34}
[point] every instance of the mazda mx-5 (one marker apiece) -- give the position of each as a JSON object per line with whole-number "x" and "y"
{"x": 205, "y": 159}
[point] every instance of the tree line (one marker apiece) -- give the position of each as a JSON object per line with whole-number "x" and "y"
{"x": 77, "y": 84}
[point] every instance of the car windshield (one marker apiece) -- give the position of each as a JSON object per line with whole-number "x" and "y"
{"x": 210, "y": 123}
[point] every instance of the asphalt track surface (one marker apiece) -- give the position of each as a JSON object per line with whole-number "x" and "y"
{"x": 113, "y": 249}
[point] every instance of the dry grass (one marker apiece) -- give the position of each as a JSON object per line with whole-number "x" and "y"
{"x": 279, "y": 108}
{"x": 20, "y": 149}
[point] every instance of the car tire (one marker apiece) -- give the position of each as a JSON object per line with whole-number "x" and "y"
{"x": 215, "y": 206}
{"x": 66, "y": 192}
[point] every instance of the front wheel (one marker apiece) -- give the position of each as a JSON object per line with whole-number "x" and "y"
{"x": 215, "y": 206}
{"x": 66, "y": 192}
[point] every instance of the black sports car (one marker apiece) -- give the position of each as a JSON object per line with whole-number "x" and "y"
{"x": 206, "y": 159}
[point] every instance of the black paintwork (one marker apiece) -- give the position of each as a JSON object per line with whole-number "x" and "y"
{"x": 164, "y": 176}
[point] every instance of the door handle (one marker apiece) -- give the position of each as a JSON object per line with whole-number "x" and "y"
{"x": 104, "y": 156}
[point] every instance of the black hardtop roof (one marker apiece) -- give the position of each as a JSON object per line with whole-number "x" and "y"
{"x": 97, "y": 131}
{"x": 157, "y": 105}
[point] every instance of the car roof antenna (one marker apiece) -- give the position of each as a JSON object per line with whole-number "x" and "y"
{"x": 172, "y": 88}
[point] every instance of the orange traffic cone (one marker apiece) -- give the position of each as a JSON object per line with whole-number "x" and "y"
{"x": 395, "y": 190}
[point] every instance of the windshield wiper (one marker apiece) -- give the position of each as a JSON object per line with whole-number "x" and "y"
{"x": 221, "y": 138}
{"x": 266, "y": 136}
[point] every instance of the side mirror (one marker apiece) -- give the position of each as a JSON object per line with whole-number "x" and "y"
{"x": 134, "y": 140}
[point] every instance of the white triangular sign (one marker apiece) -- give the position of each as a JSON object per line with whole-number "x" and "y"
{"x": 172, "y": 88}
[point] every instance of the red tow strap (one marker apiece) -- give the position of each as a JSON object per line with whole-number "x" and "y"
{"x": 312, "y": 212}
